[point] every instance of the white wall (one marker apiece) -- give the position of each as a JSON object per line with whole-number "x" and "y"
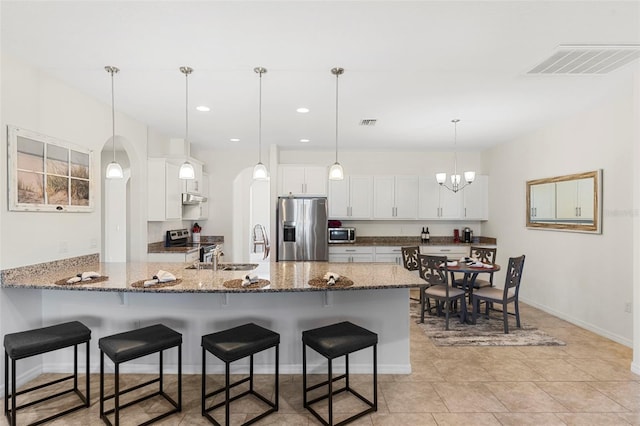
{"x": 584, "y": 278}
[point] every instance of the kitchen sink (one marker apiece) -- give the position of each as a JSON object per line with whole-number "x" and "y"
{"x": 226, "y": 266}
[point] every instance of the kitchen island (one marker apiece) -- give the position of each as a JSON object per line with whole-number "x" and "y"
{"x": 201, "y": 303}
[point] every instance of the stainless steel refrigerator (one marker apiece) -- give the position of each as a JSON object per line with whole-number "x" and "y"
{"x": 302, "y": 229}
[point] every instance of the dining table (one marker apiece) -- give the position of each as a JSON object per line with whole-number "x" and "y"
{"x": 470, "y": 274}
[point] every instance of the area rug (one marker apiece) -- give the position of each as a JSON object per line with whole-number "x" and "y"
{"x": 486, "y": 332}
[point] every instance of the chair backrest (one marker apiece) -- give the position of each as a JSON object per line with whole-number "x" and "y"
{"x": 410, "y": 257}
{"x": 484, "y": 254}
{"x": 430, "y": 269}
{"x": 259, "y": 234}
{"x": 514, "y": 275}
{"x": 265, "y": 236}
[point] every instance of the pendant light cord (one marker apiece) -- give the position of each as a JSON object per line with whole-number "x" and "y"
{"x": 337, "y": 78}
{"x": 113, "y": 116}
{"x": 260, "y": 120}
{"x": 455, "y": 146}
{"x": 186, "y": 107}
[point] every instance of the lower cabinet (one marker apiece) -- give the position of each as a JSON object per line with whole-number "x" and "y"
{"x": 452, "y": 252}
{"x": 351, "y": 254}
{"x": 385, "y": 254}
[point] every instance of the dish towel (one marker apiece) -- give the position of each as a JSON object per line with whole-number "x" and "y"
{"x": 478, "y": 264}
{"x": 249, "y": 279}
{"x": 450, "y": 263}
{"x": 160, "y": 277}
{"x": 331, "y": 278}
{"x": 84, "y": 276}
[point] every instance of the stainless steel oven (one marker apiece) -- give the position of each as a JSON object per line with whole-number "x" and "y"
{"x": 342, "y": 235}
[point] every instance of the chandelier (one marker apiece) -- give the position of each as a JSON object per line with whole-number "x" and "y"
{"x": 469, "y": 176}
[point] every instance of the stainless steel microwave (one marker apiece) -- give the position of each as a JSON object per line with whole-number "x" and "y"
{"x": 342, "y": 235}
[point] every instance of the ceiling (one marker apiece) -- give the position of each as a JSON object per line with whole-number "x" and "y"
{"x": 412, "y": 65}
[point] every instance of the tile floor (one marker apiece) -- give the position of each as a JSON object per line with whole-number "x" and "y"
{"x": 587, "y": 382}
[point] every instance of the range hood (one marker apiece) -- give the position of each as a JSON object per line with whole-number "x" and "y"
{"x": 189, "y": 198}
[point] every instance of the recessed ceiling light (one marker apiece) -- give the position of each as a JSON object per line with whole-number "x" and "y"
{"x": 302, "y": 110}
{"x": 305, "y": 140}
{"x": 234, "y": 140}
{"x": 203, "y": 108}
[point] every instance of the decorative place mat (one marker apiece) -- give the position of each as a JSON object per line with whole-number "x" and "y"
{"x": 321, "y": 282}
{"x": 140, "y": 284}
{"x": 237, "y": 283}
{"x": 91, "y": 281}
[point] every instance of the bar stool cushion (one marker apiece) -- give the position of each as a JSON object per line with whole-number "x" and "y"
{"x": 239, "y": 342}
{"x": 41, "y": 340}
{"x": 339, "y": 339}
{"x": 133, "y": 344}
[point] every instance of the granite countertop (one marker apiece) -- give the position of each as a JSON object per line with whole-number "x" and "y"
{"x": 283, "y": 277}
{"x": 414, "y": 241}
{"x": 159, "y": 247}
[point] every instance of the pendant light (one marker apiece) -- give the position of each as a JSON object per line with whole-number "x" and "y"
{"x": 469, "y": 176}
{"x": 336, "y": 172}
{"x": 260, "y": 171}
{"x": 187, "y": 171}
{"x": 114, "y": 170}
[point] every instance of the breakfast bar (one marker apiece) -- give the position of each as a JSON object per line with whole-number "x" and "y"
{"x": 201, "y": 301}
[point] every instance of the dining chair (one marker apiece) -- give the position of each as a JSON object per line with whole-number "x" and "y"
{"x": 503, "y": 296}
{"x": 410, "y": 261}
{"x": 433, "y": 269}
{"x": 484, "y": 255}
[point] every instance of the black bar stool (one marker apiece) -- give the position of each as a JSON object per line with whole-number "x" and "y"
{"x": 332, "y": 342}
{"x": 29, "y": 343}
{"x": 134, "y": 344}
{"x": 231, "y": 345}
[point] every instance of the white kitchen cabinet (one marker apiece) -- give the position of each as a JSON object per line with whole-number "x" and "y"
{"x": 543, "y": 202}
{"x": 198, "y": 211}
{"x": 453, "y": 252}
{"x": 164, "y": 190}
{"x": 575, "y": 199}
{"x": 351, "y": 198}
{"x": 395, "y": 197}
{"x": 351, "y": 254}
{"x": 475, "y": 199}
{"x": 437, "y": 202}
{"x": 303, "y": 180}
{"x": 194, "y": 186}
{"x": 388, "y": 254}
{"x": 188, "y": 257}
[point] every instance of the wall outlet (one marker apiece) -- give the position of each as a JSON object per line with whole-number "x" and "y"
{"x": 93, "y": 243}
{"x": 63, "y": 247}
{"x": 628, "y": 307}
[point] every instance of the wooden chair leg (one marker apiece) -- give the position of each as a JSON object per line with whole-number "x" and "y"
{"x": 505, "y": 318}
{"x": 517, "y": 307}
{"x": 422, "y": 298}
{"x": 447, "y": 308}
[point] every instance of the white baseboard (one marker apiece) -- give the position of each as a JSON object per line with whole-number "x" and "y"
{"x": 25, "y": 377}
{"x": 580, "y": 323}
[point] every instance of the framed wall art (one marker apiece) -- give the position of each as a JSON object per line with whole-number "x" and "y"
{"x": 47, "y": 174}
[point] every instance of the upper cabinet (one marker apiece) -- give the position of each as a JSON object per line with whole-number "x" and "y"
{"x": 198, "y": 211}
{"x": 575, "y": 199}
{"x": 543, "y": 202}
{"x": 164, "y": 190}
{"x": 475, "y": 199}
{"x": 302, "y": 180}
{"x": 194, "y": 186}
{"x": 351, "y": 198}
{"x": 395, "y": 197}
{"x": 437, "y": 202}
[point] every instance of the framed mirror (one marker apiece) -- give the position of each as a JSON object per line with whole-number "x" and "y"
{"x": 566, "y": 203}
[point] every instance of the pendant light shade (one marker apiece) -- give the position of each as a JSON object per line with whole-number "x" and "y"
{"x": 187, "y": 171}
{"x": 114, "y": 170}
{"x": 335, "y": 171}
{"x": 260, "y": 171}
{"x": 469, "y": 176}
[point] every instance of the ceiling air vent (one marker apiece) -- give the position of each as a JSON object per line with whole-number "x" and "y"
{"x": 368, "y": 122}
{"x": 587, "y": 59}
